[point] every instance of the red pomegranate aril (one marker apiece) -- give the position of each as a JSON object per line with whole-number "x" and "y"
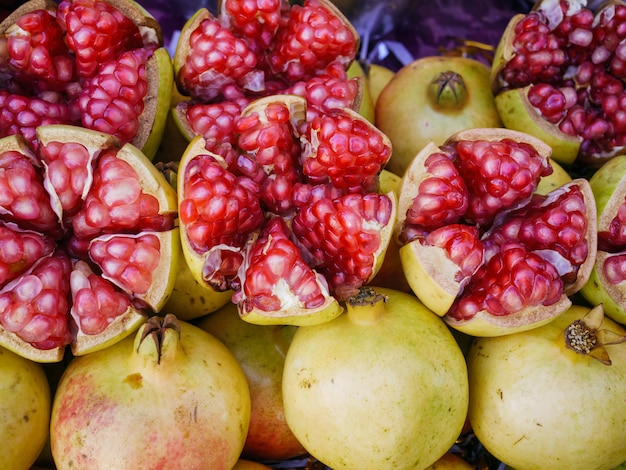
{"x": 274, "y": 257}
{"x": 503, "y": 174}
{"x": 112, "y": 101}
{"x": 614, "y": 268}
{"x": 340, "y": 237}
{"x": 131, "y": 261}
{"x": 95, "y": 302}
{"x": 442, "y": 197}
{"x": 35, "y": 304}
{"x": 20, "y": 249}
{"x": 310, "y": 39}
{"x": 508, "y": 282}
{"x": 218, "y": 207}
{"x": 117, "y": 202}
{"x": 97, "y": 32}
{"x": 462, "y": 244}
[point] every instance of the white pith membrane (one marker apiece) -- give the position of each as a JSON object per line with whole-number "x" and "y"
{"x": 162, "y": 237}
{"x": 436, "y": 279}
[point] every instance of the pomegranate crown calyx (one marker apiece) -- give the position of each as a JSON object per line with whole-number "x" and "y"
{"x": 584, "y": 336}
{"x": 448, "y": 90}
{"x": 156, "y": 327}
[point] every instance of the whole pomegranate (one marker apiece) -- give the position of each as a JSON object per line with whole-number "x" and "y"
{"x": 480, "y": 245}
{"x": 607, "y": 283}
{"x": 558, "y": 74}
{"x": 25, "y": 402}
{"x": 260, "y": 350}
{"x": 552, "y": 397}
{"x": 98, "y": 64}
{"x": 430, "y": 99}
{"x": 382, "y": 386}
{"x": 172, "y": 396}
{"x": 89, "y": 241}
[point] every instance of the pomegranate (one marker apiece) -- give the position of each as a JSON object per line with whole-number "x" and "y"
{"x": 382, "y": 386}
{"x": 450, "y": 461}
{"x": 430, "y": 99}
{"x": 172, "y": 396}
{"x": 558, "y": 74}
{"x": 91, "y": 63}
{"x": 243, "y": 464}
{"x": 548, "y": 398}
{"x": 247, "y": 50}
{"x": 90, "y": 243}
{"x": 480, "y": 246}
{"x": 25, "y": 403}
{"x": 296, "y": 223}
{"x": 260, "y": 350}
{"x": 607, "y": 283}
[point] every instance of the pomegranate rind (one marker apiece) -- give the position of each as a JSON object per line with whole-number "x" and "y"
{"x": 296, "y": 316}
{"x": 518, "y": 114}
{"x": 608, "y": 184}
{"x": 484, "y": 324}
{"x": 430, "y": 273}
{"x": 557, "y": 178}
{"x": 122, "y": 326}
{"x": 156, "y": 103}
{"x": 191, "y": 299}
{"x": 15, "y": 344}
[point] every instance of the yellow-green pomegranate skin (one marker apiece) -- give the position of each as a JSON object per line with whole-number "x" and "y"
{"x": 25, "y": 403}
{"x": 536, "y": 404}
{"x": 382, "y": 386}
{"x": 162, "y": 402}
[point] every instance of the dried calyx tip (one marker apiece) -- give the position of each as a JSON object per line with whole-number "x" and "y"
{"x": 156, "y": 326}
{"x": 584, "y": 336}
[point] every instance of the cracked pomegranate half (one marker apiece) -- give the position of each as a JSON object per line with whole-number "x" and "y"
{"x": 559, "y": 74}
{"x": 247, "y": 50}
{"x": 291, "y": 221}
{"x": 91, "y": 63}
{"x": 88, "y": 241}
{"x": 479, "y": 245}
{"x": 607, "y": 284}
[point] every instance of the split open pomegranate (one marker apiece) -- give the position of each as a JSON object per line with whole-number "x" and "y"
{"x": 89, "y": 245}
{"x": 479, "y": 246}
{"x": 558, "y": 74}
{"x": 247, "y": 50}
{"x": 99, "y": 64}
{"x": 290, "y": 218}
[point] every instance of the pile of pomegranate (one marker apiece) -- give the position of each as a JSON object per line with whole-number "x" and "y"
{"x": 282, "y": 202}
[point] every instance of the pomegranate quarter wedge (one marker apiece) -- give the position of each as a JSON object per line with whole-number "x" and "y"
{"x": 479, "y": 246}
{"x": 89, "y": 244}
